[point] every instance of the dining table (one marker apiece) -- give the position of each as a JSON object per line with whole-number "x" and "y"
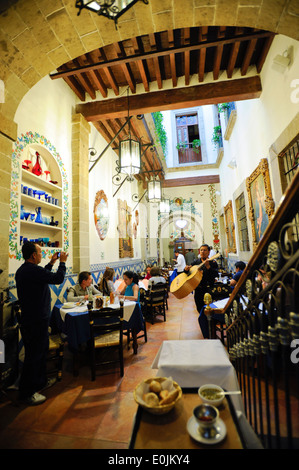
{"x": 179, "y": 430}
{"x": 74, "y": 322}
{"x": 193, "y": 363}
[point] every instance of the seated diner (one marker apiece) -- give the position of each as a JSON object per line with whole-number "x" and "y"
{"x": 106, "y": 285}
{"x": 148, "y": 273}
{"x": 131, "y": 291}
{"x": 82, "y": 289}
{"x": 155, "y": 277}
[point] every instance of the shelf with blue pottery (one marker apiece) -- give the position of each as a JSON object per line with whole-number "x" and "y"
{"x": 36, "y": 203}
{"x": 38, "y": 226}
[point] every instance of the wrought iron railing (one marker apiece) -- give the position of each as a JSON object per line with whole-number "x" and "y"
{"x": 262, "y": 318}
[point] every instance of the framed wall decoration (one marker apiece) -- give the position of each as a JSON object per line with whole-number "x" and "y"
{"x": 230, "y": 228}
{"x": 125, "y": 232}
{"x": 261, "y": 204}
{"x": 101, "y": 214}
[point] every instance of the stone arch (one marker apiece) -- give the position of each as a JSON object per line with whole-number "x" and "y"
{"x": 163, "y": 223}
{"x": 37, "y": 40}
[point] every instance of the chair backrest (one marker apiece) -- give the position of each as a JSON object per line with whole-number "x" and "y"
{"x": 157, "y": 293}
{"x": 105, "y": 320}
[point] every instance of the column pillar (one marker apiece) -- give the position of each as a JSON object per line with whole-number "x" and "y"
{"x": 8, "y": 134}
{"x": 80, "y": 193}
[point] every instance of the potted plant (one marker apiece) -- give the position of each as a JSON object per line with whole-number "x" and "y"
{"x": 195, "y": 145}
{"x": 216, "y": 137}
{"x": 181, "y": 146}
{"x": 223, "y": 107}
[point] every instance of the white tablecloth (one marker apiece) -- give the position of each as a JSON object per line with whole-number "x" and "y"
{"x": 129, "y": 306}
{"x": 192, "y": 363}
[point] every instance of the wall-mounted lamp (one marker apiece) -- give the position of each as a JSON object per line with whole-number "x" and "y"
{"x": 282, "y": 61}
{"x": 232, "y": 164}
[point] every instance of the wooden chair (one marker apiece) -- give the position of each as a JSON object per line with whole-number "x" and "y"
{"x": 106, "y": 332}
{"x": 156, "y": 301}
{"x": 128, "y": 333}
{"x": 56, "y": 349}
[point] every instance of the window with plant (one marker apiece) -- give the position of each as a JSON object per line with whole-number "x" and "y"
{"x": 187, "y": 132}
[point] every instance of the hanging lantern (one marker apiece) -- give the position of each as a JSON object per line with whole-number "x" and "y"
{"x": 154, "y": 190}
{"x": 130, "y": 156}
{"x": 111, "y": 9}
{"x": 165, "y": 206}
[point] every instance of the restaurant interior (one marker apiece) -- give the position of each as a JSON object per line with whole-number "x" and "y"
{"x": 129, "y": 138}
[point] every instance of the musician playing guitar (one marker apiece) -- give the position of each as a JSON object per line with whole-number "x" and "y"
{"x": 210, "y": 272}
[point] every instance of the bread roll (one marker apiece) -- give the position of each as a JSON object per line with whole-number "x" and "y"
{"x": 163, "y": 394}
{"x": 170, "y": 397}
{"x": 151, "y": 399}
{"x": 155, "y": 386}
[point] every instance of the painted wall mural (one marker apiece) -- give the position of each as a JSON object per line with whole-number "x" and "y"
{"x": 101, "y": 214}
{"x": 125, "y": 232}
{"x": 20, "y": 146}
{"x": 214, "y": 213}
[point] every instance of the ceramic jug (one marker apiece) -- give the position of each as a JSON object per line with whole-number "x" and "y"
{"x": 37, "y": 169}
{"x": 22, "y": 213}
{"x": 38, "y": 218}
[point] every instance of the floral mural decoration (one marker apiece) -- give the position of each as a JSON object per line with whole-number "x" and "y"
{"x": 20, "y": 145}
{"x": 215, "y": 223}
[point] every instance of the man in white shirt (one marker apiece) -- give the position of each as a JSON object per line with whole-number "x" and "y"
{"x": 212, "y": 252}
{"x": 180, "y": 262}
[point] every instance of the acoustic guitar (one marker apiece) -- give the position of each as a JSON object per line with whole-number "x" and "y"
{"x": 184, "y": 283}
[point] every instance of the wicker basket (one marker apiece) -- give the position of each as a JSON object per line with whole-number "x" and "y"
{"x": 160, "y": 409}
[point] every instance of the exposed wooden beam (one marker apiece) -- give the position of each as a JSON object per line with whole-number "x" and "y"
{"x": 140, "y": 65}
{"x": 248, "y": 55}
{"x": 155, "y": 57}
{"x": 154, "y": 54}
{"x": 125, "y": 67}
{"x": 264, "y": 53}
{"x": 200, "y": 95}
{"x": 193, "y": 180}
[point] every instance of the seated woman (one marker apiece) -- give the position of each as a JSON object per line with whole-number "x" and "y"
{"x": 81, "y": 290}
{"x": 155, "y": 277}
{"x": 106, "y": 283}
{"x": 148, "y": 273}
{"x": 131, "y": 291}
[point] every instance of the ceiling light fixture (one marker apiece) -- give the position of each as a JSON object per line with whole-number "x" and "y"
{"x": 154, "y": 190}
{"x": 111, "y": 9}
{"x": 165, "y": 205}
{"x": 129, "y": 152}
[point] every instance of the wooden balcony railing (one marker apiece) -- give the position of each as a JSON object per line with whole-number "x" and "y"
{"x": 262, "y": 328}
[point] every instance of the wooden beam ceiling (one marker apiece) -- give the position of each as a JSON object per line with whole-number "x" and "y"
{"x": 199, "y": 95}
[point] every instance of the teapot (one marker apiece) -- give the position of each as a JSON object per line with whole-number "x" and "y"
{"x": 38, "y": 218}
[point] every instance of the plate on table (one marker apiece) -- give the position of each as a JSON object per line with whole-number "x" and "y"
{"x": 192, "y": 428}
{"x": 69, "y": 305}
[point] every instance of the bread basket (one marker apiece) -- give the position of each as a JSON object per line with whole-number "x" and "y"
{"x": 143, "y": 386}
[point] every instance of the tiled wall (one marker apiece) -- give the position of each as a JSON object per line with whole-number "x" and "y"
{"x": 59, "y": 292}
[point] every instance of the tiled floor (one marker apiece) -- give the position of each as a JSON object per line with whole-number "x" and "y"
{"x": 81, "y": 414}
